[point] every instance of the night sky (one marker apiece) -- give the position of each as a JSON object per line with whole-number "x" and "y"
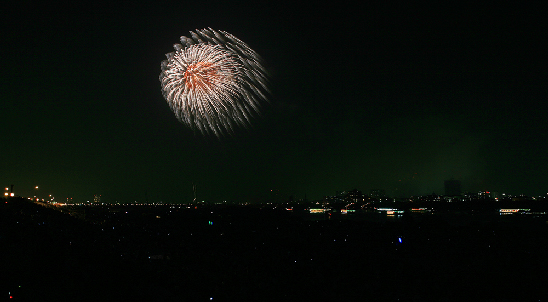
{"x": 388, "y": 97}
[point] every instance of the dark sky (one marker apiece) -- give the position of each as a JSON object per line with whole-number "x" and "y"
{"x": 388, "y": 97}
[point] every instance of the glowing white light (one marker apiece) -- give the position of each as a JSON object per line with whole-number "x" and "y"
{"x": 213, "y": 82}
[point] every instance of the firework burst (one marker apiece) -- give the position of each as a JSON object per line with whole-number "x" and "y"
{"x": 213, "y": 82}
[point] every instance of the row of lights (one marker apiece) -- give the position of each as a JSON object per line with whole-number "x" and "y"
{"x": 6, "y": 193}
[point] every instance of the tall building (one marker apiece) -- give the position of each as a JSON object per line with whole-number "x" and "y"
{"x": 97, "y": 198}
{"x": 452, "y": 187}
{"x": 354, "y": 196}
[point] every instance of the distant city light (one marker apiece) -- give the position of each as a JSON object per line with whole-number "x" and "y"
{"x": 385, "y": 209}
{"x": 317, "y": 210}
{"x": 509, "y": 210}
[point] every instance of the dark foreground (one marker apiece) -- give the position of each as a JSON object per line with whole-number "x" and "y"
{"x": 245, "y": 254}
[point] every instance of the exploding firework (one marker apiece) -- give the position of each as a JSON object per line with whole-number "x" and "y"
{"x": 213, "y": 82}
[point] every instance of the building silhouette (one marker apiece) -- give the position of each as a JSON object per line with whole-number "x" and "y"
{"x": 378, "y": 193}
{"x": 452, "y": 187}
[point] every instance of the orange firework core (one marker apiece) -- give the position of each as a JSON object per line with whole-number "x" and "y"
{"x": 200, "y": 75}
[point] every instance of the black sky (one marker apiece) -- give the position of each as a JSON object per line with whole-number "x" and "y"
{"x": 394, "y": 97}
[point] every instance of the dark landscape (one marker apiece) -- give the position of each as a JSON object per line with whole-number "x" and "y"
{"x": 266, "y": 253}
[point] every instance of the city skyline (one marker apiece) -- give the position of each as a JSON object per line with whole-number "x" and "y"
{"x": 398, "y": 98}
{"x": 273, "y": 197}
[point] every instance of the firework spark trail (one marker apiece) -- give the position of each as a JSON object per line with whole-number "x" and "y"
{"x": 213, "y": 82}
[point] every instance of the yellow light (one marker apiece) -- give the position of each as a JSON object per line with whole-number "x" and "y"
{"x": 6, "y": 194}
{"x": 317, "y": 210}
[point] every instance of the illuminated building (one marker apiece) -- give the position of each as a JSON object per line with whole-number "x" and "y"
{"x": 389, "y": 211}
{"x": 97, "y": 198}
{"x": 378, "y": 193}
{"x": 508, "y": 211}
{"x": 521, "y": 211}
{"x": 354, "y": 196}
{"x": 345, "y": 211}
{"x": 485, "y": 195}
{"x": 316, "y": 211}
